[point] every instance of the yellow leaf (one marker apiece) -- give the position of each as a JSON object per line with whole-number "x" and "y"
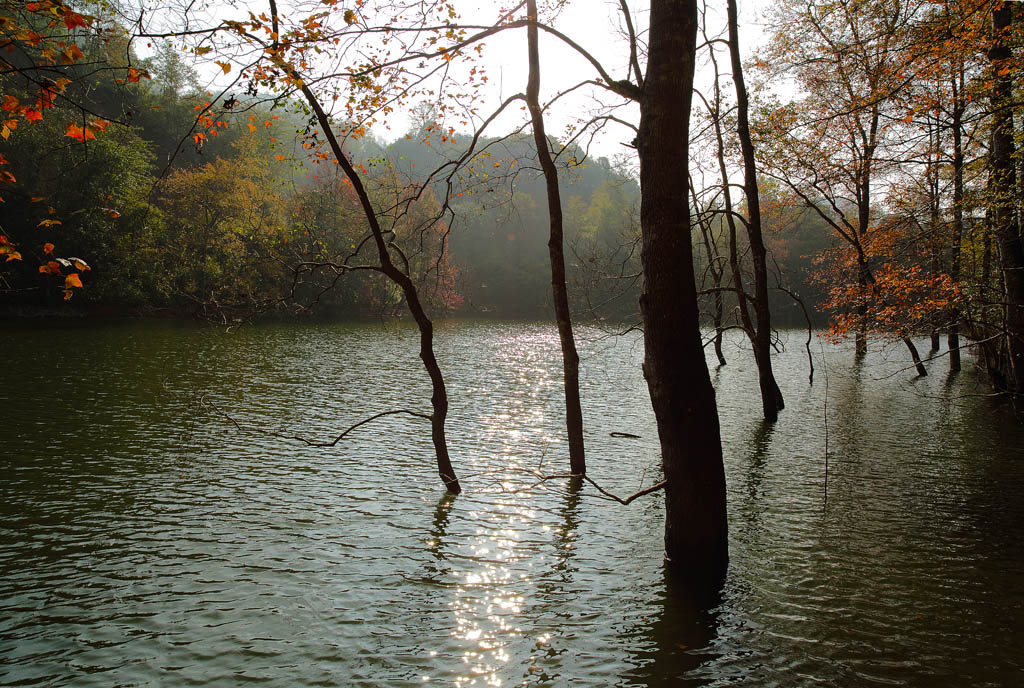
{"x": 224, "y": 66}
{"x": 203, "y": 50}
{"x": 13, "y": 255}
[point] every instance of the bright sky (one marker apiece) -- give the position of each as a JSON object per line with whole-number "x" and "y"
{"x": 594, "y": 24}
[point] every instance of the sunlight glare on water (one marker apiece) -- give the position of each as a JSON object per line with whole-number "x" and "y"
{"x": 146, "y": 542}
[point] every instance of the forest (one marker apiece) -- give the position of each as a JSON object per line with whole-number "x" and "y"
{"x": 755, "y": 207}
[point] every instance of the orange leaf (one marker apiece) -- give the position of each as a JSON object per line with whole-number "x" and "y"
{"x": 48, "y": 247}
{"x": 80, "y": 134}
{"x": 72, "y": 280}
{"x": 49, "y": 223}
{"x": 67, "y": 294}
{"x": 72, "y": 53}
{"x": 33, "y": 115}
{"x": 10, "y": 103}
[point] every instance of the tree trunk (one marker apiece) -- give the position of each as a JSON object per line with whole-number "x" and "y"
{"x": 439, "y": 393}
{"x": 556, "y": 251}
{"x": 718, "y": 323}
{"x": 1004, "y": 178}
{"x": 696, "y": 530}
{"x": 717, "y": 274}
{"x": 921, "y": 370}
{"x": 771, "y": 396}
{"x": 953, "y": 336}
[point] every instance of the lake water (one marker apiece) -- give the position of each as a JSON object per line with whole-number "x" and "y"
{"x": 144, "y": 541}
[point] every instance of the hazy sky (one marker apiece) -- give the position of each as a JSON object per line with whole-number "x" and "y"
{"x": 594, "y": 24}
{"x": 597, "y": 27}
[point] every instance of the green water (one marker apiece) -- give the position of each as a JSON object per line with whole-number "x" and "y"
{"x": 144, "y": 541}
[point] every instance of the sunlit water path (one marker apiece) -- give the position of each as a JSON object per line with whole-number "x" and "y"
{"x": 146, "y": 542}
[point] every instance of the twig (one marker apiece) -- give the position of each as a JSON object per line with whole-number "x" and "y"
{"x": 312, "y": 443}
{"x": 541, "y": 478}
{"x": 630, "y": 498}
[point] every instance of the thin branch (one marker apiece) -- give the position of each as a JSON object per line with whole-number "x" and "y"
{"x": 204, "y": 401}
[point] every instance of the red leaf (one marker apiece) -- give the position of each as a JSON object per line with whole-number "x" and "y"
{"x": 73, "y": 19}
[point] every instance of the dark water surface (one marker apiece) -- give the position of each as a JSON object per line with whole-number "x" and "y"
{"x": 146, "y": 542}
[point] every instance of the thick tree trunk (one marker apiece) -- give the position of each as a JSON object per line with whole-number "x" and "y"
{"x": 1004, "y": 182}
{"x": 771, "y": 397}
{"x": 696, "y": 530}
{"x": 556, "y": 251}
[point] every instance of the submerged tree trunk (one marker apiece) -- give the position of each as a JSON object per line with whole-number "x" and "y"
{"x": 556, "y": 251}
{"x": 771, "y": 396}
{"x": 717, "y": 316}
{"x": 921, "y": 370}
{"x": 1004, "y": 183}
{"x": 953, "y": 336}
{"x": 677, "y": 376}
{"x": 439, "y": 393}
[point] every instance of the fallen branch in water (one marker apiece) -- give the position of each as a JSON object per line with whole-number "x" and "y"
{"x": 312, "y": 443}
{"x": 542, "y": 478}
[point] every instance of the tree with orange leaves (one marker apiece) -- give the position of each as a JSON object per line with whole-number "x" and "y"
{"x": 43, "y": 45}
